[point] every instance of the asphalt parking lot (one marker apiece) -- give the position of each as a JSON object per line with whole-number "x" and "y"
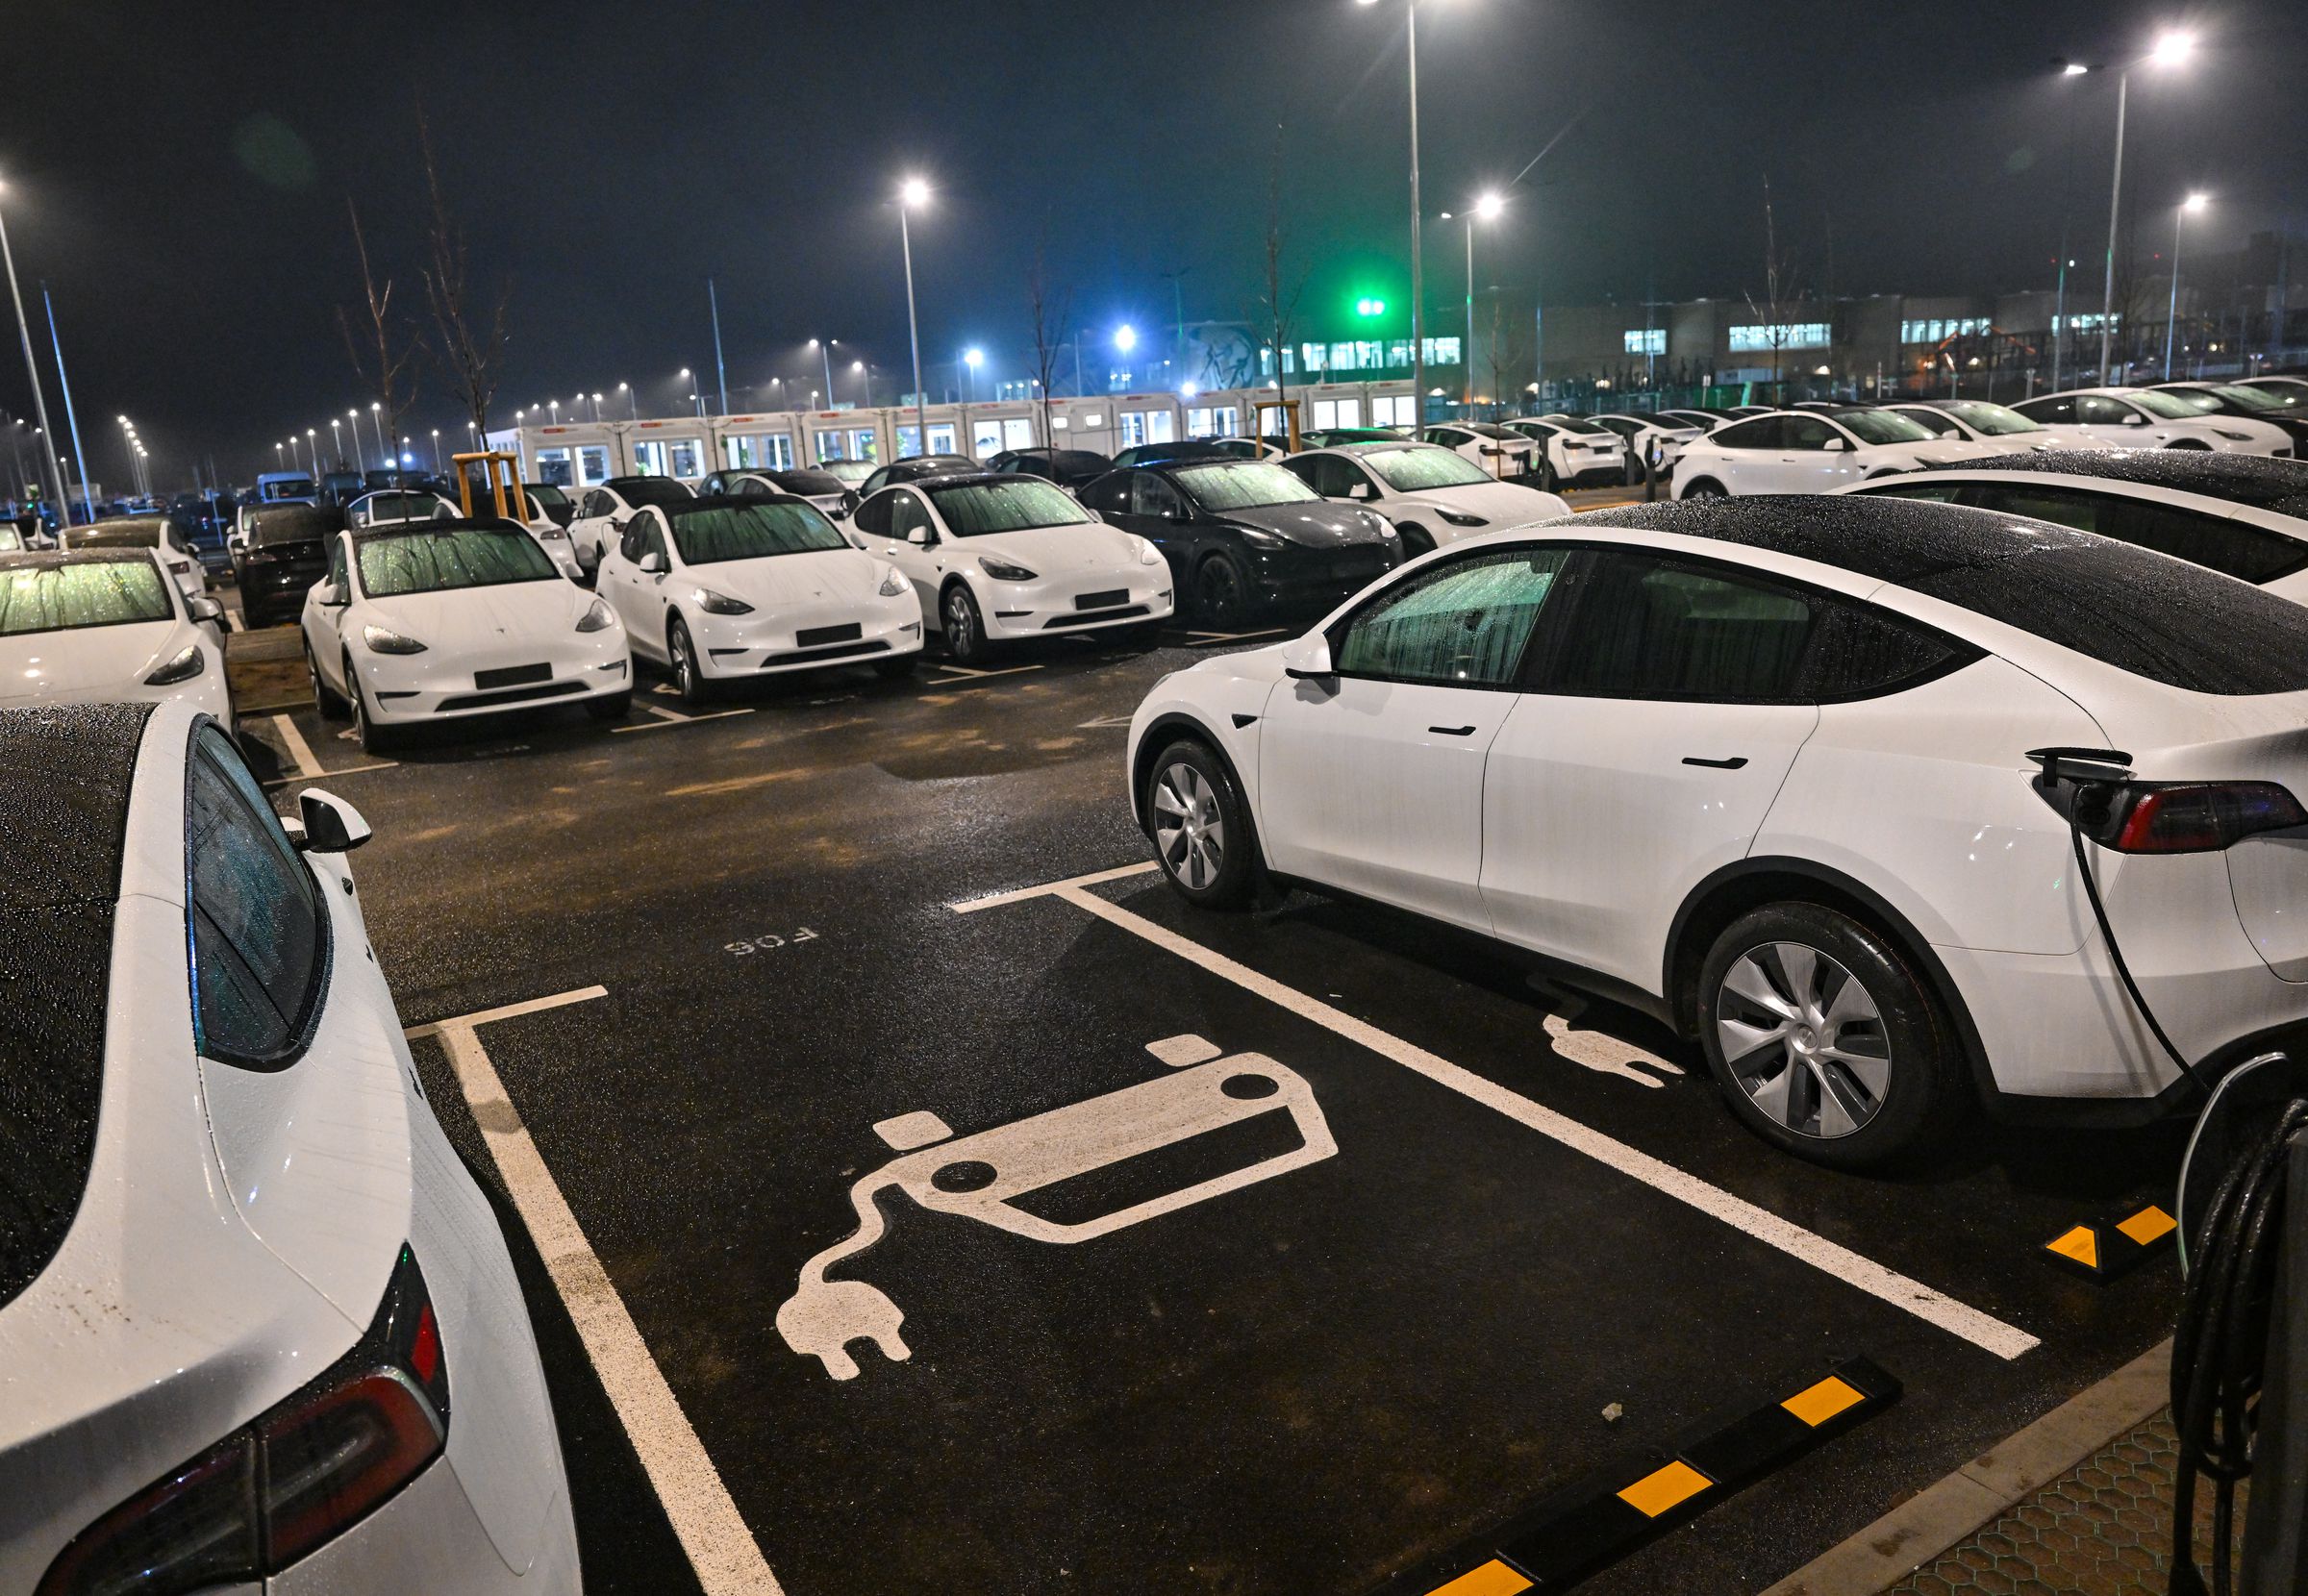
{"x": 1336, "y": 1245}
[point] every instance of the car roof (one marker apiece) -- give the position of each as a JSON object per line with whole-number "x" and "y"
{"x": 15, "y": 560}
{"x": 2279, "y": 484}
{"x": 1890, "y": 539}
{"x": 429, "y": 528}
{"x": 954, "y": 479}
{"x": 1381, "y": 446}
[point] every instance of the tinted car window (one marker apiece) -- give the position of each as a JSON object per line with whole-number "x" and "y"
{"x": 2092, "y": 410}
{"x": 2054, "y": 409}
{"x": 905, "y": 514}
{"x": 1150, "y": 495}
{"x": 1651, "y": 628}
{"x": 2232, "y": 548}
{"x": 260, "y": 934}
{"x": 1861, "y": 652}
{"x": 1110, "y": 493}
{"x": 292, "y": 524}
{"x": 1761, "y": 433}
{"x": 1464, "y": 624}
{"x": 1932, "y": 421}
{"x": 1804, "y": 432}
{"x": 872, "y": 517}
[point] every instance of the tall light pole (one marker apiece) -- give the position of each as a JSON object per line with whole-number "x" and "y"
{"x": 2172, "y": 317}
{"x": 376, "y": 419}
{"x": 313, "y": 448}
{"x": 1410, "y": 12}
{"x": 971, "y": 360}
{"x": 40, "y": 405}
{"x": 826, "y": 353}
{"x": 337, "y": 432}
{"x": 633, "y": 407}
{"x": 720, "y": 372}
{"x": 865, "y": 385}
{"x": 437, "y": 451}
{"x": 2170, "y": 50}
{"x": 280, "y": 459}
{"x": 1485, "y": 209}
{"x": 911, "y": 193}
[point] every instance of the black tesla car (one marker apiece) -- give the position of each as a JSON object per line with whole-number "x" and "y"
{"x": 283, "y": 552}
{"x": 915, "y": 467}
{"x": 1071, "y": 469}
{"x": 1245, "y": 536}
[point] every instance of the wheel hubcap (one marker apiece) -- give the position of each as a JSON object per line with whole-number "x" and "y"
{"x": 956, "y": 623}
{"x": 1803, "y": 1038}
{"x": 1188, "y": 832}
{"x": 1218, "y": 592}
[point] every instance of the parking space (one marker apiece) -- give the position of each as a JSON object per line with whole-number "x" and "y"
{"x": 928, "y": 1228}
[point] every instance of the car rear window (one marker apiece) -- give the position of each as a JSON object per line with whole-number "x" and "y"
{"x": 2175, "y": 623}
{"x": 117, "y": 534}
{"x": 64, "y": 595}
{"x": 294, "y": 524}
{"x": 652, "y": 490}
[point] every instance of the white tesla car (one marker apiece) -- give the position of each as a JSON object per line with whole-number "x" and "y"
{"x": 395, "y": 507}
{"x": 145, "y": 532}
{"x": 722, "y": 589}
{"x": 101, "y": 625}
{"x": 1813, "y": 452}
{"x": 1976, "y": 421}
{"x": 602, "y": 513}
{"x": 2143, "y": 418}
{"x": 1646, "y": 433}
{"x": 999, "y": 556}
{"x": 1501, "y": 453}
{"x": 1764, "y": 768}
{"x": 260, "y": 1328}
{"x": 2242, "y": 515}
{"x": 1431, "y": 495}
{"x": 441, "y": 619}
{"x": 820, "y": 488}
{"x": 1574, "y": 452}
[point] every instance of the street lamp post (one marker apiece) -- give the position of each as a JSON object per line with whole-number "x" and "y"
{"x": 437, "y": 451}
{"x": 39, "y": 403}
{"x": 632, "y": 407}
{"x": 376, "y": 419}
{"x": 337, "y": 432}
{"x": 2172, "y": 317}
{"x": 971, "y": 360}
{"x": 826, "y": 353}
{"x": 911, "y": 193}
{"x": 865, "y": 385}
{"x": 2169, "y": 50}
{"x": 1485, "y": 209}
{"x": 1410, "y": 11}
{"x": 313, "y": 449}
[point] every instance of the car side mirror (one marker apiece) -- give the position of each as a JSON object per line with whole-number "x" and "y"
{"x": 653, "y": 563}
{"x": 1307, "y": 658}
{"x": 332, "y": 826}
{"x": 2133, "y": 418}
{"x": 205, "y": 609}
{"x": 1835, "y": 445}
{"x": 333, "y": 596}
{"x": 1367, "y": 492}
{"x": 920, "y": 537}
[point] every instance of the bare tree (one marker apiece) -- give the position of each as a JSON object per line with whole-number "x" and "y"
{"x": 1781, "y": 292}
{"x": 470, "y": 346}
{"x": 381, "y": 372}
{"x": 1051, "y": 311}
{"x": 1276, "y": 308}
{"x": 1505, "y": 357}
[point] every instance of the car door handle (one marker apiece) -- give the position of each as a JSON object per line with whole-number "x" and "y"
{"x": 1737, "y": 761}
{"x": 1452, "y": 731}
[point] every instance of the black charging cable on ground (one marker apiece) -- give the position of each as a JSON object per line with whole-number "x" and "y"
{"x": 2219, "y": 1342}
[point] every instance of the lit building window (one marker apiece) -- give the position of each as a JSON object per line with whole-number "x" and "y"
{"x": 1442, "y": 352}
{"x": 1940, "y": 330}
{"x": 1792, "y": 334}
{"x": 2088, "y": 322}
{"x": 1646, "y": 340}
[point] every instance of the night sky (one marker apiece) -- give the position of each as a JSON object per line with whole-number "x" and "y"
{"x": 180, "y": 180}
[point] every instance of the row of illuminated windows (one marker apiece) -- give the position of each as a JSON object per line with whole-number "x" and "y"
{"x": 1646, "y": 340}
{"x": 1783, "y": 334}
{"x": 1361, "y": 355}
{"x": 2090, "y": 322}
{"x": 1940, "y": 328}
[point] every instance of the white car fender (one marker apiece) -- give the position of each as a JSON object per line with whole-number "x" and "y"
{"x": 1223, "y": 702}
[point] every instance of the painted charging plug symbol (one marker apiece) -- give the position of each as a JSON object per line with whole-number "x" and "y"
{"x": 980, "y": 1175}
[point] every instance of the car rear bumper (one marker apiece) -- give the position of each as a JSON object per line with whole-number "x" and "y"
{"x": 429, "y": 1537}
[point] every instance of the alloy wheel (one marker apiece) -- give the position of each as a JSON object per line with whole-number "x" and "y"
{"x": 682, "y": 669}
{"x": 1803, "y": 1038}
{"x": 1189, "y": 831}
{"x": 961, "y": 631}
{"x": 1218, "y": 594}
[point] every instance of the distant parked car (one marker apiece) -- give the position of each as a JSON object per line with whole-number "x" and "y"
{"x": 1977, "y": 421}
{"x": 342, "y": 487}
{"x": 915, "y": 467}
{"x": 1800, "y": 452}
{"x": 559, "y": 507}
{"x": 279, "y": 487}
{"x": 2249, "y": 403}
{"x": 101, "y": 625}
{"x": 1573, "y": 453}
{"x": 1498, "y": 451}
{"x": 1432, "y": 495}
{"x": 312, "y": 1368}
{"x": 1331, "y": 437}
{"x": 1068, "y": 468}
{"x": 1245, "y": 537}
{"x": 2292, "y": 392}
{"x": 146, "y": 532}
{"x": 2141, "y": 418}
{"x": 1646, "y": 436}
{"x": 602, "y": 515}
{"x": 852, "y": 474}
{"x": 282, "y": 549}
{"x": 821, "y": 488}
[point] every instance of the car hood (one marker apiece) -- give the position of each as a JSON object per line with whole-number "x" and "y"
{"x": 44, "y": 667}
{"x": 1090, "y": 546}
{"x": 1314, "y": 523}
{"x": 541, "y": 612}
{"x": 1500, "y": 504}
{"x": 846, "y": 575}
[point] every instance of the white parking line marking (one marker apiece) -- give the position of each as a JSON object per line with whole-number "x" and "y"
{"x": 995, "y": 900}
{"x": 962, "y": 674}
{"x": 664, "y": 713}
{"x": 680, "y": 720}
{"x": 1958, "y": 1319}
{"x": 1103, "y": 721}
{"x": 294, "y": 741}
{"x": 1238, "y": 636}
{"x": 331, "y": 775}
{"x": 528, "y": 1006}
{"x": 721, "y": 1550}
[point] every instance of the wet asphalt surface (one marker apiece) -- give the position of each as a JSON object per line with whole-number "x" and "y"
{"x": 1324, "y": 1380}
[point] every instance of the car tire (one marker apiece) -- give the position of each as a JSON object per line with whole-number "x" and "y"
{"x": 1548, "y": 483}
{"x": 612, "y": 706}
{"x": 1200, "y": 827}
{"x": 1221, "y": 593}
{"x": 329, "y": 703}
{"x": 1703, "y": 488}
{"x": 899, "y": 668}
{"x": 1849, "y": 1080}
{"x": 961, "y": 625}
{"x": 1415, "y": 539}
{"x": 373, "y": 738}
{"x": 681, "y": 654}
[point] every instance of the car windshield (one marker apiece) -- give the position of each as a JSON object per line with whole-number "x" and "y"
{"x": 1408, "y": 470}
{"x": 397, "y": 562}
{"x": 1243, "y": 485}
{"x": 847, "y": 472}
{"x": 1017, "y": 504}
{"x": 293, "y": 524}
{"x": 1882, "y": 427}
{"x": 294, "y": 487}
{"x": 707, "y": 535}
{"x": 814, "y": 484}
{"x": 117, "y": 534}
{"x": 1995, "y": 421}
{"x": 2246, "y": 398}
{"x": 2169, "y": 407}
{"x": 2198, "y": 401}
{"x": 47, "y": 594}
{"x": 651, "y": 490}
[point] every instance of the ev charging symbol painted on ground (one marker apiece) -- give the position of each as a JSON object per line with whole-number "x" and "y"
{"x": 979, "y": 1175}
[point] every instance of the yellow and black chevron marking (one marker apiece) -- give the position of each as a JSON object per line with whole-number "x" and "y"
{"x": 1606, "y": 1516}
{"x": 2105, "y": 1249}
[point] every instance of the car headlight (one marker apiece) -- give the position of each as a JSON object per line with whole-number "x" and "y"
{"x": 2233, "y": 438}
{"x": 720, "y": 604}
{"x": 1460, "y": 518}
{"x": 1002, "y": 570}
{"x": 380, "y": 640}
{"x": 1259, "y": 537}
{"x": 894, "y": 585}
{"x": 182, "y": 668}
{"x": 1148, "y": 554}
{"x": 596, "y": 617}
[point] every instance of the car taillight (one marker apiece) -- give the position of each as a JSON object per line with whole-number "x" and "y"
{"x": 305, "y": 1471}
{"x": 2182, "y": 818}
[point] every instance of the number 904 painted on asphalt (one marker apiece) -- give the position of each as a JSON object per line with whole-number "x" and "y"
{"x": 769, "y": 942}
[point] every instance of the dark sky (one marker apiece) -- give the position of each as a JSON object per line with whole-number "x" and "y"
{"x": 180, "y": 179}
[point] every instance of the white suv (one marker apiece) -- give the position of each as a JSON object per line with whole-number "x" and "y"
{"x": 1431, "y": 495}
{"x": 1813, "y": 452}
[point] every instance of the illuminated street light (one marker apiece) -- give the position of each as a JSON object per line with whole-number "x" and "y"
{"x": 2172, "y": 317}
{"x": 437, "y": 451}
{"x": 633, "y": 410}
{"x": 912, "y": 195}
{"x": 1487, "y": 208}
{"x": 2171, "y": 49}
{"x": 973, "y": 358}
{"x": 39, "y": 402}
